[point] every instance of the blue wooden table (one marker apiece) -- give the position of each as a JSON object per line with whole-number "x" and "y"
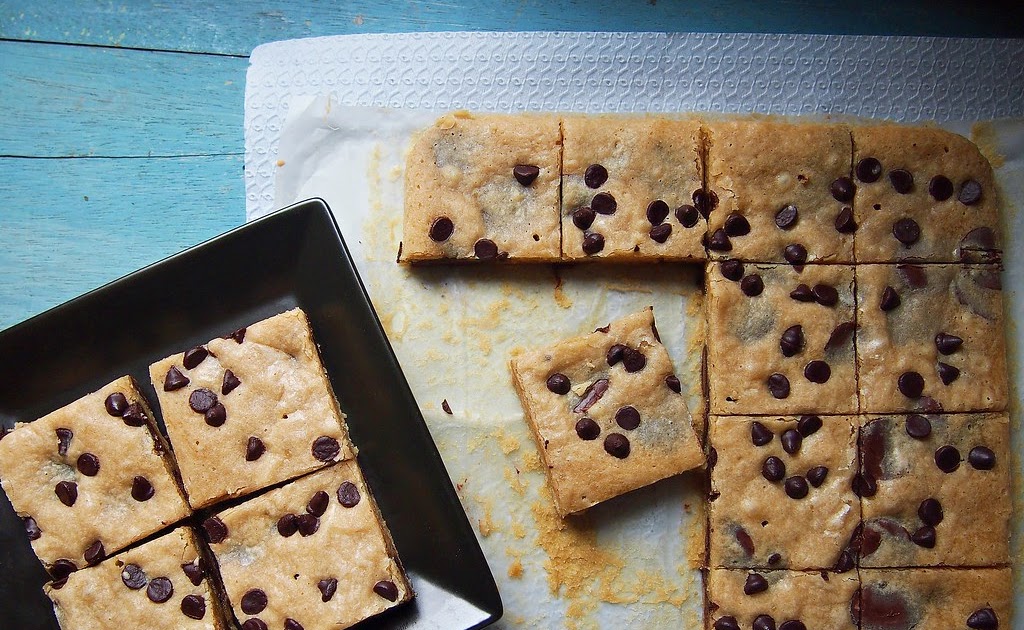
{"x": 121, "y": 140}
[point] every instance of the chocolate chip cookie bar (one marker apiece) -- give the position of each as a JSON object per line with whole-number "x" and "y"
{"x": 312, "y": 554}
{"x": 249, "y": 410}
{"x": 606, "y": 411}
{"x": 781, "y": 339}
{"x": 786, "y": 600}
{"x": 930, "y": 338}
{"x": 936, "y": 490}
{"x": 632, "y": 188}
{"x": 978, "y": 599}
{"x": 162, "y": 584}
{"x": 781, "y": 494}
{"x": 784, "y": 192}
{"x": 923, "y": 194}
{"x": 483, "y": 187}
{"x": 91, "y": 478}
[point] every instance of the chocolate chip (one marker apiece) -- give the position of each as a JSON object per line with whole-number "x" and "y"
{"x": 983, "y": 619}
{"x": 940, "y": 188}
{"x": 947, "y": 373}
{"x": 726, "y": 623}
{"x": 911, "y": 384}
{"x": 216, "y": 415}
{"x": 64, "y": 437}
{"x": 67, "y": 492}
{"x": 115, "y": 404}
{"x": 325, "y": 448}
{"x": 902, "y": 180}
{"x": 485, "y": 249}
{"x": 760, "y": 434}
{"x": 31, "y": 528}
{"x": 318, "y": 504}
{"x": 890, "y": 299}
{"x": 254, "y": 449}
{"x": 845, "y": 562}
{"x": 595, "y": 176}
{"x": 254, "y": 623}
{"x": 845, "y": 223}
{"x": 774, "y": 559}
{"x": 593, "y": 243}
{"x": 816, "y": 476}
{"x": 930, "y": 512}
{"x": 254, "y": 601}
{"x": 194, "y": 356}
{"x": 202, "y": 400}
{"x": 869, "y": 170}
{"x": 947, "y": 458}
{"x": 970, "y": 193}
{"x": 947, "y": 344}
{"x": 786, "y": 217}
{"x": 230, "y": 383}
{"x": 672, "y": 381}
{"x": 763, "y": 622}
{"x": 825, "y": 294}
{"x": 755, "y": 584}
{"x": 441, "y": 229}
{"x": 593, "y": 393}
{"x": 60, "y": 570}
{"x": 142, "y": 489}
{"x": 918, "y": 427}
{"x": 175, "y": 380}
{"x": 327, "y": 588}
{"x": 88, "y": 464}
{"x": 287, "y": 525}
{"x": 817, "y": 371}
{"x": 95, "y": 552}
{"x": 719, "y": 241}
{"x": 808, "y": 425}
{"x": 657, "y": 212}
{"x": 752, "y": 285}
{"x": 525, "y": 174}
{"x": 348, "y": 494}
{"x": 982, "y": 458}
{"x": 291, "y": 624}
{"x": 386, "y": 589}
{"x": 193, "y": 606}
{"x": 795, "y": 254}
{"x": 864, "y": 485}
{"x": 745, "y": 541}
{"x": 558, "y": 383}
{"x": 159, "y": 590}
{"x": 687, "y": 216}
{"x": 617, "y": 445}
{"x": 194, "y": 571}
{"x": 802, "y": 293}
{"x": 737, "y": 225}
{"x": 627, "y": 417}
{"x": 793, "y": 624}
{"x": 791, "y": 441}
{"x": 773, "y": 469}
{"x": 914, "y": 275}
{"x": 660, "y": 233}
{"x": 731, "y": 270}
{"x": 633, "y": 360}
{"x": 133, "y": 576}
{"x": 906, "y": 231}
{"x": 238, "y": 335}
{"x": 135, "y": 415}
{"x": 842, "y": 189}
{"x": 924, "y": 537}
{"x": 583, "y": 217}
{"x": 604, "y": 203}
{"x": 308, "y": 525}
{"x": 796, "y": 487}
{"x": 778, "y": 385}
{"x": 216, "y": 530}
{"x": 705, "y": 201}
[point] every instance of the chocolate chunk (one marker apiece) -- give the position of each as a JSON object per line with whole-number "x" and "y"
{"x": 386, "y": 589}
{"x": 31, "y": 528}
{"x": 778, "y": 385}
{"x": 745, "y": 541}
{"x": 731, "y": 270}
{"x": 918, "y": 427}
{"x": 930, "y": 512}
{"x": 525, "y": 174}
{"x": 558, "y": 383}
{"x": 159, "y": 590}
{"x": 64, "y": 437}
{"x": 593, "y": 393}
{"x": 705, "y": 201}
{"x": 796, "y": 487}
{"x": 924, "y": 537}
{"x": 627, "y": 417}
{"x": 906, "y": 231}
{"x": 786, "y": 217}
{"x": 308, "y": 524}
{"x": 983, "y": 619}
{"x": 737, "y": 225}
{"x": 348, "y": 494}
{"x": 194, "y": 571}
{"x": 238, "y": 335}
{"x": 970, "y": 193}
{"x": 133, "y": 576}
{"x": 633, "y": 360}
{"x": 687, "y": 216}
{"x": 763, "y": 622}
{"x": 825, "y": 294}
{"x": 325, "y": 448}
{"x": 254, "y": 601}
{"x": 604, "y": 203}
{"x": 752, "y": 285}
{"x": 712, "y": 457}
{"x": 657, "y": 212}
{"x": 947, "y": 373}
{"x": 202, "y": 400}
{"x": 660, "y": 233}
{"x": 595, "y": 176}
{"x": 845, "y": 562}
{"x": 67, "y": 492}
{"x": 795, "y": 254}
{"x": 583, "y": 217}
{"x": 911, "y": 384}
{"x": 816, "y": 476}
{"x": 254, "y": 449}
{"x": 193, "y": 606}
{"x": 672, "y": 381}
{"x": 135, "y": 415}
{"x": 485, "y": 249}
{"x": 885, "y": 609}
{"x": 913, "y": 275}
{"x": 88, "y": 464}
{"x": 808, "y": 425}
{"x": 982, "y": 458}
{"x": 802, "y": 293}
{"x": 719, "y": 241}
{"x": 95, "y": 552}
{"x": 842, "y": 189}
{"x": 890, "y": 299}
{"x": 864, "y": 485}
{"x": 327, "y": 588}
{"x": 441, "y": 229}
{"x": 817, "y": 371}
{"x": 142, "y": 489}
{"x": 318, "y": 504}
{"x": 773, "y": 469}
{"x": 216, "y": 415}
{"x": 868, "y": 170}
{"x": 902, "y": 180}
{"x": 979, "y": 246}
{"x": 726, "y": 623}
{"x": 287, "y": 525}
{"x": 230, "y": 383}
{"x": 755, "y": 584}
{"x": 60, "y": 570}
{"x": 760, "y": 434}
{"x": 791, "y": 441}
{"x": 254, "y": 623}
{"x": 947, "y": 458}
{"x": 194, "y": 356}
{"x": 614, "y": 354}
{"x": 175, "y": 380}
{"x": 593, "y": 243}
{"x": 845, "y": 223}
{"x": 115, "y": 404}
{"x": 947, "y": 344}
{"x": 840, "y": 335}
{"x": 291, "y": 624}
{"x": 617, "y": 445}
{"x": 216, "y": 530}
{"x": 793, "y": 624}
{"x": 940, "y": 188}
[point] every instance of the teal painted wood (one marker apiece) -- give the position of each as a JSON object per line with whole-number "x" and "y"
{"x": 75, "y": 100}
{"x": 236, "y": 28}
{"x": 71, "y": 225}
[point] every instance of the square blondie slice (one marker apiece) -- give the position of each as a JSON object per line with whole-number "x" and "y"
{"x": 313, "y": 554}
{"x": 783, "y": 192}
{"x": 91, "y": 478}
{"x": 162, "y": 584}
{"x": 781, "y": 339}
{"x": 923, "y": 599}
{"x": 936, "y": 490}
{"x": 250, "y": 410}
{"x": 483, "y": 187}
{"x": 930, "y": 338}
{"x": 781, "y": 492}
{"x": 923, "y": 194}
{"x": 787, "y": 600}
{"x": 632, "y": 188}
{"x": 606, "y": 411}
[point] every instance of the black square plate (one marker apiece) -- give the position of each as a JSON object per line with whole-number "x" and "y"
{"x": 294, "y": 257}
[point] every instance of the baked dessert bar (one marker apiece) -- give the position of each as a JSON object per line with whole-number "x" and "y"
{"x": 926, "y": 599}
{"x": 785, "y": 600}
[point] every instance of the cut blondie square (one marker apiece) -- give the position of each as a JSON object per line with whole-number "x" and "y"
{"x": 935, "y": 599}
{"x": 606, "y": 411}
{"x": 483, "y": 187}
{"x": 162, "y": 584}
{"x": 632, "y": 188}
{"x": 786, "y": 600}
{"x": 313, "y": 554}
{"x": 250, "y": 410}
{"x": 91, "y": 478}
{"x": 784, "y": 192}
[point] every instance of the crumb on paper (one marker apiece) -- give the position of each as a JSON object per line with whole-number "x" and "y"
{"x": 280, "y": 163}
{"x": 508, "y": 443}
{"x": 515, "y": 570}
{"x": 518, "y": 530}
{"x": 515, "y": 481}
{"x": 486, "y": 524}
{"x": 446, "y": 407}
{"x": 358, "y": 20}
{"x": 695, "y": 535}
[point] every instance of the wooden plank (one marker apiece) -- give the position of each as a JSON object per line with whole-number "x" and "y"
{"x": 236, "y": 28}
{"x": 77, "y": 100}
{"x": 71, "y": 225}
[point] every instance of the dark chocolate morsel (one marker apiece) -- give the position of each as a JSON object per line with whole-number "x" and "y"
{"x": 583, "y": 217}
{"x": 133, "y": 576}
{"x": 913, "y": 275}
{"x": 287, "y": 525}
{"x": 657, "y": 212}
{"x": 773, "y": 469}
{"x": 864, "y": 485}
{"x": 604, "y": 203}
{"x": 947, "y": 344}
{"x": 754, "y": 584}
{"x": 202, "y": 400}
{"x": 840, "y": 335}
{"x": 194, "y": 571}
{"x": 216, "y": 415}
{"x": 216, "y": 530}
{"x": 308, "y": 524}
{"x": 845, "y": 223}
{"x": 802, "y": 293}
{"x": 947, "y": 458}
{"x": 687, "y": 216}
{"x": 593, "y": 243}
{"x": 525, "y": 174}
{"x": 726, "y": 623}
{"x": 115, "y": 404}
{"x": 194, "y": 356}
{"x": 238, "y": 335}
{"x": 764, "y": 622}
{"x": 614, "y": 354}
{"x": 737, "y": 225}
{"x": 793, "y": 624}
{"x": 719, "y": 241}
{"x": 816, "y": 476}
{"x": 970, "y": 193}
{"x": 254, "y": 601}
{"x": 906, "y": 231}
{"x": 930, "y": 512}
{"x": 752, "y": 285}
{"x": 940, "y": 188}
{"x": 318, "y": 503}
{"x": 868, "y": 170}
{"x": 890, "y": 299}
{"x": 918, "y": 427}
{"x": 175, "y": 380}
{"x": 760, "y": 434}
{"x": 745, "y": 541}
{"x": 778, "y": 385}
{"x": 31, "y": 528}
{"x": 327, "y": 588}
{"x": 348, "y": 494}
{"x": 633, "y": 360}
{"x": 731, "y": 270}
{"x": 911, "y": 384}
{"x": 817, "y": 371}
{"x": 441, "y": 229}
{"x": 796, "y": 487}
{"x": 193, "y": 606}
{"x": 825, "y": 294}
{"x": 791, "y": 441}
{"x": 64, "y": 437}
{"x": 485, "y": 249}
{"x": 982, "y": 458}
{"x": 660, "y": 233}
{"x": 67, "y": 492}
{"x": 902, "y": 180}
{"x": 795, "y": 254}
{"x": 617, "y": 445}
{"x": 558, "y": 383}
{"x": 808, "y": 425}
{"x": 627, "y": 417}
{"x": 672, "y": 381}
{"x": 95, "y": 552}
{"x": 134, "y": 415}
{"x": 705, "y": 201}
{"x": 254, "y": 623}
{"x": 386, "y": 589}
{"x": 62, "y": 568}
{"x": 230, "y": 383}
{"x": 786, "y": 217}
{"x": 254, "y": 449}
{"x": 947, "y": 373}
{"x": 595, "y": 176}
{"x": 325, "y": 448}
{"x": 983, "y": 619}
{"x": 842, "y": 189}
{"x": 142, "y": 489}
{"x": 291, "y": 624}
{"x": 924, "y": 537}
{"x": 159, "y": 590}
